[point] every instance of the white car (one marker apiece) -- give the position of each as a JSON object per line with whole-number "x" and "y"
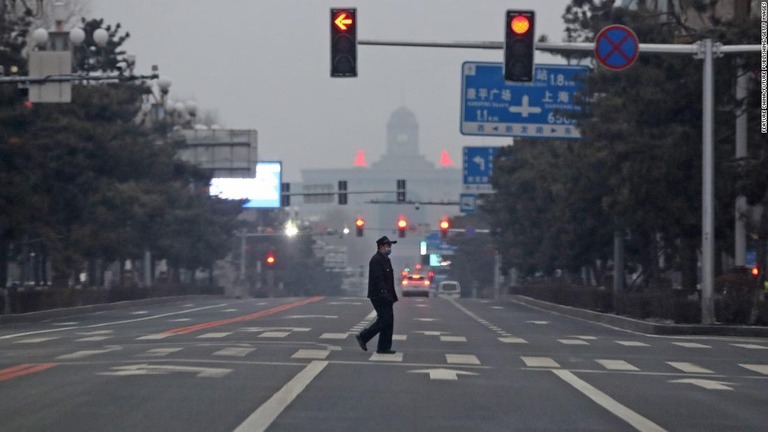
{"x": 416, "y": 285}
{"x": 449, "y": 288}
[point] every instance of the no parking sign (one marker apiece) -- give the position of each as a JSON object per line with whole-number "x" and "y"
{"x": 616, "y": 47}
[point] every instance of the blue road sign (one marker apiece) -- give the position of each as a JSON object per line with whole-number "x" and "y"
{"x": 468, "y": 203}
{"x": 491, "y": 106}
{"x": 478, "y": 167}
{"x": 616, "y": 47}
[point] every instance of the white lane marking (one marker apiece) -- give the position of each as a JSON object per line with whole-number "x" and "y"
{"x": 431, "y": 333}
{"x": 750, "y": 346}
{"x": 538, "y": 322}
{"x": 399, "y": 337}
{"x": 514, "y": 340}
{"x": 97, "y": 332}
{"x": 691, "y": 345}
{"x": 762, "y": 369}
{"x": 585, "y": 337}
{"x": 632, "y": 343}
{"x": 214, "y": 335}
{"x": 311, "y": 354}
{"x": 344, "y": 303}
{"x": 234, "y": 352}
{"x": 260, "y": 419}
{"x": 288, "y": 329}
{"x": 453, "y": 339}
{"x": 617, "y": 365}
{"x": 160, "y": 352}
{"x": 229, "y": 310}
{"x": 65, "y": 323}
{"x": 334, "y": 335}
{"x": 312, "y": 316}
{"x": 689, "y": 367}
{"x": 81, "y": 354}
{"x": 111, "y": 323}
{"x": 157, "y": 336}
{"x": 396, "y": 357}
{"x": 634, "y": 419}
{"x": 274, "y": 334}
{"x": 468, "y": 359}
{"x": 370, "y": 316}
{"x": 36, "y": 340}
{"x": 442, "y": 374}
{"x": 497, "y": 307}
{"x": 422, "y": 305}
{"x": 427, "y": 319}
{"x": 140, "y": 313}
{"x": 93, "y": 339}
{"x": 180, "y": 320}
{"x": 544, "y": 362}
{"x": 573, "y": 342}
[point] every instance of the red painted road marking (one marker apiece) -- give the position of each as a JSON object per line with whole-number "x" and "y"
{"x": 274, "y": 310}
{"x": 24, "y": 369}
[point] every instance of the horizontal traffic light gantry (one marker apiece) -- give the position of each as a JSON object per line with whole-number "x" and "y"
{"x": 519, "y": 46}
{"x": 343, "y": 42}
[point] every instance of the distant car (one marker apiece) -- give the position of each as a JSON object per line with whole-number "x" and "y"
{"x": 449, "y": 288}
{"x": 415, "y": 284}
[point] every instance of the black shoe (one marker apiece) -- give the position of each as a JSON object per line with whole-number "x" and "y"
{"x": 361, "y": 343}
{"x": 389, "y": 351}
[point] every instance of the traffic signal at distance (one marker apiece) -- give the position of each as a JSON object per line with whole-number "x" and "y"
{"x": 445, "y": 224}
{"x": 359, "y": 225}
{"x": 342, "y": 192}
{"x": 270, "y": 259}
{"x": 400, "y": 184}
{"x": 519, "y": 45}
{"x": 343, "y": 42}
{"x": 402, "y": 225}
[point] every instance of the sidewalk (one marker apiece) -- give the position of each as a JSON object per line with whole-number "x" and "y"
{"x": 641, "y": 326}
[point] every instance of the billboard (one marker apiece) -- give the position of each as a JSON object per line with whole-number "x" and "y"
{"x": 262, "y": 191}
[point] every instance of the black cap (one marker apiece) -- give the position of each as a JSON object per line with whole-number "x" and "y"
{"x": 384, "y": 240}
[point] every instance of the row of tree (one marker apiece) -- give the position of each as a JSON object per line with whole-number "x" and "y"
{"x": 84, "y": 183}
{"x": 638, "y": 167}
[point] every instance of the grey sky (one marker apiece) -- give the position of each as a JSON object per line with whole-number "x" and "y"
{"x": 265, "y": 65}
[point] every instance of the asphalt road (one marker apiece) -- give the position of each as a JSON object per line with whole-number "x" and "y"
{"x": 292, "y": 364}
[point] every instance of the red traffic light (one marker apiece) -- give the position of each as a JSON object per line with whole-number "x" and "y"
{"x": 343, "y": 20}
{"x": 755, "y": 271}
{"x": 270, "y": 259}
{"x": 402, "y": 223}
{"x": 444, "y": 224}
{"x": 520, "y": 24}
{"x": 360, "y": 222}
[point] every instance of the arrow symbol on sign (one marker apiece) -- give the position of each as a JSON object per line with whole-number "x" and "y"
{"x": 342, "y": 21}
{"x": 480, "y": 161}
{"x": 706, "y": 384}
{"x": 443, "y": 374}
{"x": 524, "y": 109}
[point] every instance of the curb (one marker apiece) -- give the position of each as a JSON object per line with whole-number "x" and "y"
{"x": 80, "y": 310}
{"x": 642, "y": 326}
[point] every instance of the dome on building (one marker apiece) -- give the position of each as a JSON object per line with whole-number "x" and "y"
{"x": 402, "y": 118}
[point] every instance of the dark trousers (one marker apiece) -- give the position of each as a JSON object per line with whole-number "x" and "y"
{"x": 383, "y": 326}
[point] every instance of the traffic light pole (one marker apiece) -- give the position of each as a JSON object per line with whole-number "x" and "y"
{"x": 705, "y": 49}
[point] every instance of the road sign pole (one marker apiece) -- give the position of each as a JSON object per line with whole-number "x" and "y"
{"x": 708, "y": 179}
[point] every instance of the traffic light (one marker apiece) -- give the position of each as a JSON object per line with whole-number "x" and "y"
{"x": 445, "y": 224}
{"x": 360, "y": 225}
{"x": 285, "y": 199}
{"x": 270, "y": 259}
{"x": 401, "y": 191}
{"x": 343, "y": 42}
{"x": 519, "y": 45}
{"x": 342, "y": 192}
{"x": 402, "y": 225}
{"x": 755, "y": 271}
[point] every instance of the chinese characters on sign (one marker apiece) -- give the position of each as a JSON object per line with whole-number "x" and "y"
{"x": 494, "y": 107}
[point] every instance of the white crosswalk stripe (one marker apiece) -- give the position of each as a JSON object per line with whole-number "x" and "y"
{"x": 311, "y": 354}
{"x": 453, "y": 339}
{"x": 691, "y": 345}
{"x": 334, "y": 335}
{"x": 762, "y": 369}
{"x": 157, "y": 336}
{"x": 399, "y": 337}
{"x": 689, "y": 368}
{"x": 274, "y": 334}
{"x": 620, "y": 365}
{"x": 573, "y": 342}
{"x": 93, "y": 339}
{"x": 234, "y": 352}
{"x": 160, "y": 352}
{"x": 543, "y": 362}
{"x": 36, "y": 340}
{"x": 632, "y": 343}
{"x": 750, "y": 346}
{"x": 215, "y": 335}
{"x": 396, "y": 357}
{"x": 513, "y": 340}
{"x": 467, "y": 359}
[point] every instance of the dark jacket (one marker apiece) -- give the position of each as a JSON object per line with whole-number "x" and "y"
{"x": 381, "y": 278}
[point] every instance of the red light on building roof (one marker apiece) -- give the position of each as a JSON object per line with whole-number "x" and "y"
{"x": 445, "y": 159}
{"x": 360, "y": 159}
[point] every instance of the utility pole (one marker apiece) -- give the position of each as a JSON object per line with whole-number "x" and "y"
{"x": 740, "y": 232}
